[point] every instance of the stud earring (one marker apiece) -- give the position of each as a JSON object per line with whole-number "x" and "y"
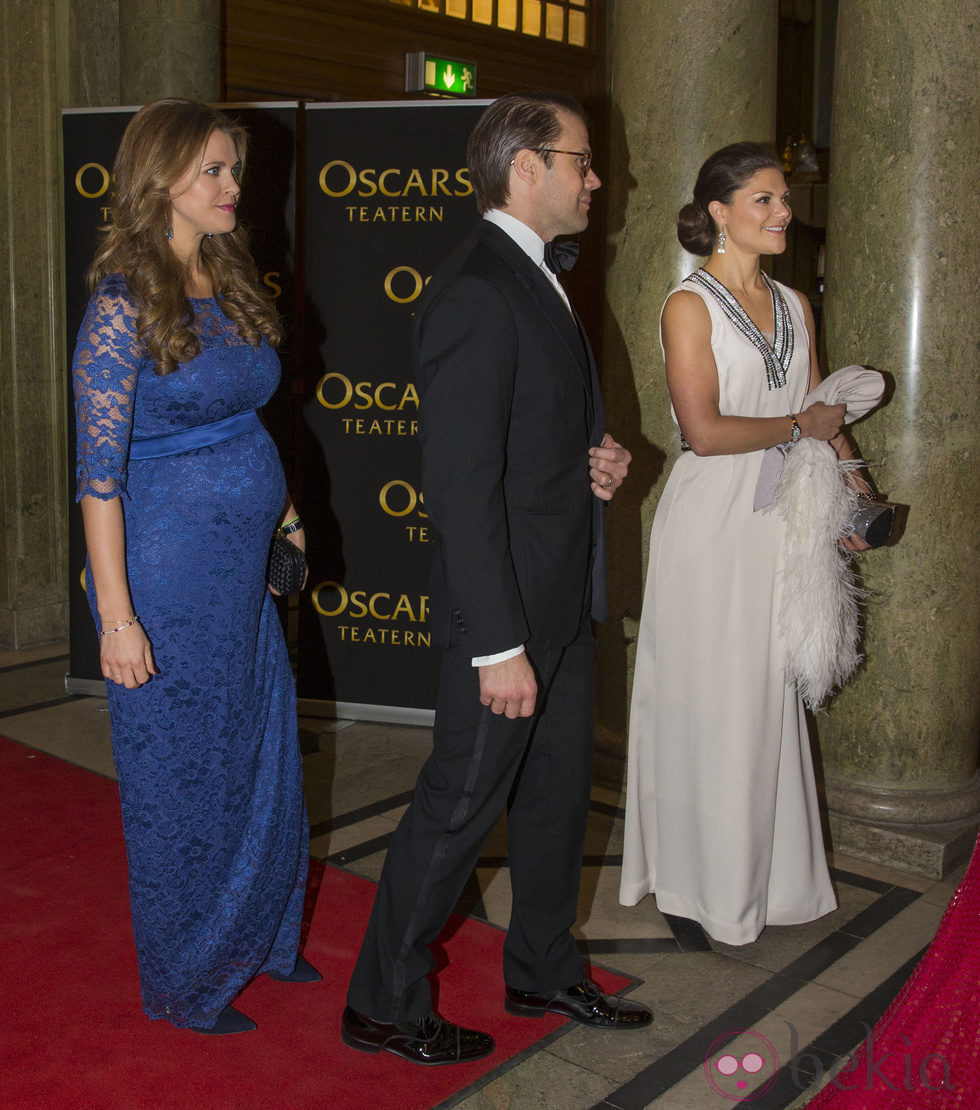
{"x": 169, "y": 232}
{"x": 722, "y": 240}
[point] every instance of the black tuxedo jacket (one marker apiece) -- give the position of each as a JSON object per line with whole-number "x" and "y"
{"x": 510, "y": 404}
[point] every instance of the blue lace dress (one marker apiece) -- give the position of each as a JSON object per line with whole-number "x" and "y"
{"x": 206, "y": 752}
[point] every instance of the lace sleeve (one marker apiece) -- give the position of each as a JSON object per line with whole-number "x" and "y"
{"x": 105, "y": 369}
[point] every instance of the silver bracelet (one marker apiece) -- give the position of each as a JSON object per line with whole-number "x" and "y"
{"x": 119, "y": 627}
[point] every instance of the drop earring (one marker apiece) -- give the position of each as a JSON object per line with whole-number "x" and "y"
{"x": 169, "y": 232}
{"x": 722, "y": 240}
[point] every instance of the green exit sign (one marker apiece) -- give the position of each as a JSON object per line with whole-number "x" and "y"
{"x": 446, "y": 76}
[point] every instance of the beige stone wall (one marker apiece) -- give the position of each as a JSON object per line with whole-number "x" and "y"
{"x": 58, "y": 54}
{"x": 33, "y": 565}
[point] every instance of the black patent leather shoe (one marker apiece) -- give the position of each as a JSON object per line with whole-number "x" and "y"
{"x": 229, "y": 1020}
{"x": 303, "y": 972}
{"x": 584, "y": 1002}
{"x": 429, "y": 1040}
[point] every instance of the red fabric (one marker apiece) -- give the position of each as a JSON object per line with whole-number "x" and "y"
{"x": 932, "y": 1028}
{"x": 74, "y": 1036}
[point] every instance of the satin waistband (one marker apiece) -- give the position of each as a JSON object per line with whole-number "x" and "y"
{"x": 190, "y": 439}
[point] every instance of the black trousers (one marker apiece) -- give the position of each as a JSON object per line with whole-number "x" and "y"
{"x": 541, "y": 769}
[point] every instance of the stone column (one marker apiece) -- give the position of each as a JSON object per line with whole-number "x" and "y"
{"x": 686, "y": 78}
{"x": 58, "y": 54}
{"x": 899, "y": 746}
{"x": 33, "y": 571}
{"x": 170, "y": 48}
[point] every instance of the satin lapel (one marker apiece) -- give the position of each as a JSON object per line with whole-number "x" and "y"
{"x": 597, "y": 411}
{"x": 540, "y": 288}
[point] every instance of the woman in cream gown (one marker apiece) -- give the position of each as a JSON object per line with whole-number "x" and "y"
{"x": 722, "y": 820}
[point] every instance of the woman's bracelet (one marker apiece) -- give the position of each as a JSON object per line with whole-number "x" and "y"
{"x": 291, "y": 526}
{"x": 120, "y": 626}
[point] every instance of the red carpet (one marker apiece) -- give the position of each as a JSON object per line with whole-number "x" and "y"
{"x": 72, "y": 1033}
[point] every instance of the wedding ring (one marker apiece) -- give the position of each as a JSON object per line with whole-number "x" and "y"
{"x": 609, "y": 482}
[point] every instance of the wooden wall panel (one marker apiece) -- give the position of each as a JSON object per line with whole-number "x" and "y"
{"x": 355, "y": 50}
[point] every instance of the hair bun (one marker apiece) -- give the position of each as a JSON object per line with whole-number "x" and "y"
{"x": 695, "y": 230}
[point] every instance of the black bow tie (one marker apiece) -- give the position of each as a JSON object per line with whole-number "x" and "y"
{"x": 560, "y": 256}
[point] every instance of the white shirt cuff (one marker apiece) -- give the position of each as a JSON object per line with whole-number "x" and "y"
{"x": 486, "y": 660}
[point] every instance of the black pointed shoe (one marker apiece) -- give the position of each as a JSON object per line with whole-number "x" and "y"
{"x": 584, "y": 1002}
{"x": 229, "y": 1020}
{"x": 303, "y": 972}
{"x": 429, "y": 1040}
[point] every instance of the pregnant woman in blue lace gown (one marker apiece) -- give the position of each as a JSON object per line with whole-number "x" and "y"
{"x": 181, "y": 489}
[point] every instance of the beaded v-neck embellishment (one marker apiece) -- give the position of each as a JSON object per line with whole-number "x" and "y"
{"x": 775, "y": 355}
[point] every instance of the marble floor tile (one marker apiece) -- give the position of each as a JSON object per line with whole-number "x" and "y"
{"x": 939, "y": 893}
{"x": 76, "y": 731}
{"x": 877, "y": 871}
{"x": 340, "y": 840}
{"x": 601, "y": 915}
{"x": 11, "y": 658}
{"x": 872, "y": 961}
{"x": 30, "y": 685}
{"x": 540, "y": 1081}
{"x": 779, "y": 945}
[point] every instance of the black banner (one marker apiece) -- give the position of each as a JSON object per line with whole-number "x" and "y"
{"x": 268, "y": 209}
{"x": 387, "y": 198}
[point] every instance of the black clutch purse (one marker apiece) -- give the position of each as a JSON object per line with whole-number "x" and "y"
{"x": 873, "y": 521}
{"x": 287, "y": 565}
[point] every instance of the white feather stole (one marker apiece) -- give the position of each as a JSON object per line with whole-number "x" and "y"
{"x": 818, "y": 618}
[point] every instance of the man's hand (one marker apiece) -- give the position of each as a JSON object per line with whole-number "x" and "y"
{"x": 608, "y": 465}
{"x": 509, "y": 687}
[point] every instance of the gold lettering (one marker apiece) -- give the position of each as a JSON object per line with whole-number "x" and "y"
{"x": 414, "y": 182}
{"x": 348, "y": 390}
{"x": 351, "y": 179}
{"x": 363, "y": 390}
{"x": 366, "y": 177}
{"x": 374, "y": 610}
{"x": 382, "y": 184}
{"x": 359, "y": 427}
{"x": 463, "y": 178}
{"x": 103, "y": 177}
{"x": 404, "y": 606}
{"x": 318, "y": 605}
{"x": 377, "y": 396}
{"x": 357, "y": 608}
{"x": 269, "y": 280}
{"x": 397, "y": 483}
{"x": 439, "y": 179}
{"x": 417, "y": 284}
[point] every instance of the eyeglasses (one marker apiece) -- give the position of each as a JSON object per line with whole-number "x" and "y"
{"x": 582, "y": 157}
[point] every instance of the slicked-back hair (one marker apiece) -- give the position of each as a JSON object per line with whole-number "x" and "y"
{"x": 513, "y": 122}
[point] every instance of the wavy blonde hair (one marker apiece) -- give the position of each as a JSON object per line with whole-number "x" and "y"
{"x": 162, "y": 142}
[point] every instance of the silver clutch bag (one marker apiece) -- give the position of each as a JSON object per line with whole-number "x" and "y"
{"x": 873, "y": 521}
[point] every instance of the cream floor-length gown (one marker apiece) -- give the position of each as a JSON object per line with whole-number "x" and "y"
{"x": 722, "y": 820}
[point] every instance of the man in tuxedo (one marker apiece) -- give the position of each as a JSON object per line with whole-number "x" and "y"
{"x": 516, "y": 468}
